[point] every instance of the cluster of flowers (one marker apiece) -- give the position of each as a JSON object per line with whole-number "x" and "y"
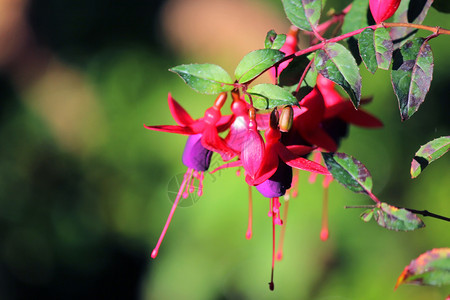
{"x": 290, "y": 135}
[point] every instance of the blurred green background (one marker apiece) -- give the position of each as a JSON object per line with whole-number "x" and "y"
{"x": 84, "y": 187}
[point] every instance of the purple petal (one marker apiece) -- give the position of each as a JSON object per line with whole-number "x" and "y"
{"x": 195, "y": 156}
{"x": 277, "y": 185}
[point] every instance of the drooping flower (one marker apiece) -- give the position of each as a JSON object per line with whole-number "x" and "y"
{"x": 209, "y": 126}
{"x": 383, "y": 9}
{"x": 197, "y": 159}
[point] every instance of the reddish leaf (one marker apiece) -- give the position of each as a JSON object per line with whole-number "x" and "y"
{"x": 430, "y": 268}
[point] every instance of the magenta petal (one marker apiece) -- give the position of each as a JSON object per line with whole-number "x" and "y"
{"x": 212, "y": 141}
{"x": 278, "y": 183}
{"x": 237, "y": 135}
{"x": 252, "y": 153}
{"x": 268, "y": 167}
{"x": 299, "y": 162}
{"x": 172, "y": 129}
{"x": 179, "y": 114}
{"x": 300, "y": 150}
{"x": 360, "y": 118}
{"x": 195, "y": 156}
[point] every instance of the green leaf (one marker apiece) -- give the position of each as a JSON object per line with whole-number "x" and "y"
{"x": 349, "y": 172}
{"x": 429, "y": 153}
{"x": 409, "y": 11}
{"x": 393, "y": 218}
{"x": 383, "y": 47}
{"x": 268, "y": 95}
{"x": 336, "y": 63}
{"x": 356, "y": 17}
{"x": 367, "y": 215}
{"x": 411, "y": 75}
{"x": 376, "y": 49}
{"x": 304, "y": 14}
{"x": 430, "y": 268}
{"x": 367, "y": 50}
{"x": 274, "y": 40}
{"x": 205, "y": 78}
{"x": 255, "y": 63}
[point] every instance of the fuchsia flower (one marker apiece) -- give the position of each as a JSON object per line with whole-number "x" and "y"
{"x": 324, "y": 105}
{"x": 209, "y": 126}
{"x": 339, "y": 107}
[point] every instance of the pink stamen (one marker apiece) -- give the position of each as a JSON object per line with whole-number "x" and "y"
{"x": 295, "y": 182}
{"x": 238, "y": 172}
{"x": 279, "y": 255}
{"x": 324, "y": 233}
{"x": 187, "y": 175}
{"x": 191, "y": 186}
{"x": 200, "y": 183}
{"x": 271, "y": 284}
{"x": 248, "y": 235}
{"x": 186, "y": 191}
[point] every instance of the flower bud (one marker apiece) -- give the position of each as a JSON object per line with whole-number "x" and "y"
{"x": 286, "y": 118}
{"x": 383, "y": 9}
{"x": 195, "y": 156}
{"x": 274, "y": 116}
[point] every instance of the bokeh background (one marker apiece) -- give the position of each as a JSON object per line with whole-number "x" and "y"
{"x": 84, "y": 187}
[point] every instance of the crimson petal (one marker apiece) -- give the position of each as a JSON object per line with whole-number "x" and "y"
{"x": 186, "y": 130}
{"x": 179, "y": 114}
{"x": 299, "y": 162}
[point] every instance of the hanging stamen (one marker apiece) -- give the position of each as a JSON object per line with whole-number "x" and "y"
{"x": 186, "y": 178}
{"x": 249, "y": 233}
{"x": 191, "y": 186}
{"x": 271, "y": 284}
{"x": 276, "y": 210}
{"x": 200, "y": 183}
{"x": 279, "y": 255}
{"x": 294, "y": 188}
{"x": 324, "y": 234}
{"x": 238, "y": 172}
{"x": 186, "y": 191}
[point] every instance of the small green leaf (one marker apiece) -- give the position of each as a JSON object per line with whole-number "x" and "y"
{"x": 411, "y": 75}
{"x": 356, "y": 17}
{"x": 274, "y": 40}
{"x": 255, "y": 63}
{"x": 383, "y": 47}
{"x": 336, "y": 63}
{"x": 367, "y": 215}
{"x": 367, "y": 50}
{"x": 430, "y": 268}
{"x": 376, "y": 49}
{"x": 429, "y": 153}
{"x": 268, "y": 95}
{"x": 304, "y": 14}
{"x": 394, "y": 218}
{"x": 205, "y": 78}
{"x": 349, "y": 172}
